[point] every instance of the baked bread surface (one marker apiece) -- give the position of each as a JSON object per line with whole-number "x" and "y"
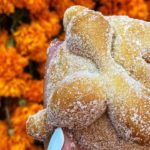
{"x": 97, "y": 82}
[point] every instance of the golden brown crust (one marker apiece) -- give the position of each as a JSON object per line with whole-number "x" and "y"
{"x": 85, "y": 59}
{"x": 70, "y": 13}
{"x": 131, "y": 45}
{"x": 78, "y": 101}
{"x": 102, "y": 136}
{"x": 129, "y": 101}
{"x": 38, "y": 127}
{"x": 89, "y": 35}
{"x": 62, "y": 64}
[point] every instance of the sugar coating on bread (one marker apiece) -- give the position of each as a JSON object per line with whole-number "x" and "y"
{"x": 95, "y": 42}
{"x": 70, "y": 13}
{"x": 78, "y": 101}
{"x": 95, "y": 72}
{"x": 38, "y": 127}
{"x": 77, "y": 37}
{"x": 131, "y": 46}
{"x": 102, "y": 135}
{"x": 62, "y": 64}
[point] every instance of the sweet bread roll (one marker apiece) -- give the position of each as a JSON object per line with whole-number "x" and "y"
{"x": 70, "y": 13}
{"x": 69, "y": 74}
{"x": 62, "y": 63}
{"x": 77, "y": 101}
{"x": 92, "y": 89}
{"x": 38, "y": 127}
{"x": 131, "y": 45}
{"x": 128, "y": 100}
{"x": 102, "y": 136}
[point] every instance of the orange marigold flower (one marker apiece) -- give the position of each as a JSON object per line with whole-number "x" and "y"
{"x": 40, "y": 54}
{"x": 62, "y": 36}
{"x": 133, "y": 8}
{"x": 36, "y": 148}
{"x": 3, "y": 37}
{"x": 19, "y": 4}
{"x": 25, "y": 76}
{"x": 12, "y": 88}
{"x": 6, "y": 6}
{"x": 61, "y": 6}
{"x": 3, "y": 136}
{"x": 148, "y": 5}
{"x": 34, "y": 92}
{"x": 20, "y": 140}
{"x": 87, "y": 3}
{"x": 138, "y": 9}
{"x": 19, "y": 117}
{"x": 12, "y": 63}
{"x": 34, "y": 6}
{"x": 41, "y": 69}
{"x": 49, "y": 21}
{"x": 12, "y": 77}
{"x": 3, "y": 128}
{"x": 31, "y": 41}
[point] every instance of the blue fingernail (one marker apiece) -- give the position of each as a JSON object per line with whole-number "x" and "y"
{"x": 57, "y": 140}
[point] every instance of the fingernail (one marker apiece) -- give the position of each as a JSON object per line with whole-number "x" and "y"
{"x": 57, "y": 140}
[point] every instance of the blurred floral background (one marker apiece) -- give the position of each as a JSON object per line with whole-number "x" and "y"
{"x": 26, "y": 29}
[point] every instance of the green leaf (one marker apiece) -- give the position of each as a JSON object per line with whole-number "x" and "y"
{"x": 10, "y": 43}
{"x": 22, "y": 102}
